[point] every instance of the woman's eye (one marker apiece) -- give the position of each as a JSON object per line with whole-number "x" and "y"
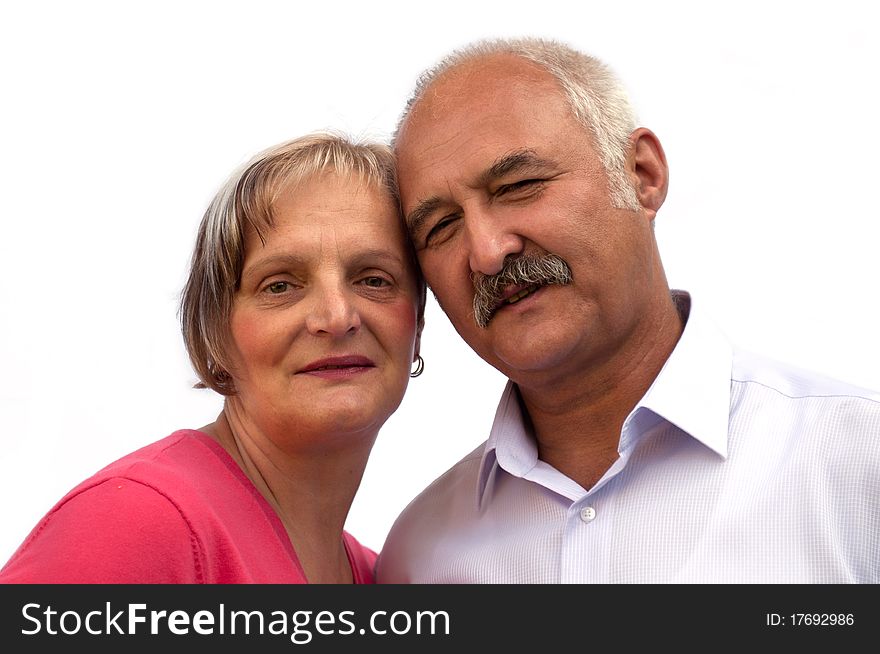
{"x": 374, "y": 282}
{"x": 277, "y": 287}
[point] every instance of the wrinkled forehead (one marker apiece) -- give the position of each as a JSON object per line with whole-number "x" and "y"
{"x": 328, "y": 180}
{"x": 472, "y": 116}
{"x": 473, "y": 101}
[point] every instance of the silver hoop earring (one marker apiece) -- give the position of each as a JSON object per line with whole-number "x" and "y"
{"x": 420, "y": 367}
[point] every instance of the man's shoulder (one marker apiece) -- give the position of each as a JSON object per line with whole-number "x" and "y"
{"x": 455, "y": 488}
{"x": 460, "y": 479}
{"x": 418, "y": 530}
{"x": 794, "y": 382}
{"x": 815, "y": 410}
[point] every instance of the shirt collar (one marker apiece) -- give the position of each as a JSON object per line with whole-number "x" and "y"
{"x": 508, "y": 441}
{"x": 692, "y": 391}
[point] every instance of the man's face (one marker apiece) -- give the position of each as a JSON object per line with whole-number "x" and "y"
{"x": 494, "y": 166}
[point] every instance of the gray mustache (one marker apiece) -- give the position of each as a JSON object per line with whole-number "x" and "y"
{"x": 523, "y": 270}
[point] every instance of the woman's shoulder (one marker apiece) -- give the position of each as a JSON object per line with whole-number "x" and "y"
{"x": 108, "y": 530}
{"x": 187, "y": 468}
{"x": 136, "y": 520}
{"x": 185, "y": 448}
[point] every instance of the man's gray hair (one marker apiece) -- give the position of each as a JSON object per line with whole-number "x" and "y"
{"x": 593, "y": 92}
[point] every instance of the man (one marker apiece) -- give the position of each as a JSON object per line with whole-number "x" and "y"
{"x": 633, "y": 443}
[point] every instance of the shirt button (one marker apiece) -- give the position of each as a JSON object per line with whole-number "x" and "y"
{"x": 588, "y": 514}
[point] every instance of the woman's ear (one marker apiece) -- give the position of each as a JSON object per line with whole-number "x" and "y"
{"x": 646, "y": 165}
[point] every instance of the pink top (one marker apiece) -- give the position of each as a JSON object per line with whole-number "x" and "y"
{"x": 178, "y": 511}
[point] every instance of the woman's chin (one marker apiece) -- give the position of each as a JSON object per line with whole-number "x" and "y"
{"x": 352, "y": 410}
{"x": 343, "y": 418}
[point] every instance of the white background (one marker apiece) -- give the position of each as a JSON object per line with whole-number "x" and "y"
{"x": 119, "y": 120}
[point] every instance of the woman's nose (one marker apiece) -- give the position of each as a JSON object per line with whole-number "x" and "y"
{"x": 333, "y": 312}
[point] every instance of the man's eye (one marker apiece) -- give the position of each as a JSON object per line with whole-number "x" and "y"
{"x": 525, "y": 184}
{"x": 437, "y": 230}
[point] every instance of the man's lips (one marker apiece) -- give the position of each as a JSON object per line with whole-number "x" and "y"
{"x": 350, "y": 362}
{"x": 514, "y": 294}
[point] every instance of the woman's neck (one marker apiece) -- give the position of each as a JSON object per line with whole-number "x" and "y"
{"x": 310, "y": 490}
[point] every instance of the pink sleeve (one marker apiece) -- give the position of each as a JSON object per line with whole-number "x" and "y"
{"x": 118, "y": 531}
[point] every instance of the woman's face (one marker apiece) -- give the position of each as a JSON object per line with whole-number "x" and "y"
{"x": 324, "y": 324}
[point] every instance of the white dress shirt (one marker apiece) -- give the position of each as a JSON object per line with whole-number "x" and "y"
{"x": 732, "y": 469}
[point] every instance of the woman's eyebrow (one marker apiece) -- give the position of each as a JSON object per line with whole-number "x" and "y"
{"x": 272, "y": 261}
{"x": 286, "y": 260}
{"x": 372, "y": 254}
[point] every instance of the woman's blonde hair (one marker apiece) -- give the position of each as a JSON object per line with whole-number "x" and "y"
{"x": 245, "y": 202}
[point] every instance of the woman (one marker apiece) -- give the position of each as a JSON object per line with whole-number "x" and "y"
{"x": 304, "y": 308}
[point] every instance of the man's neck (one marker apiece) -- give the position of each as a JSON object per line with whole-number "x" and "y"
{"x": 577, "y": 421}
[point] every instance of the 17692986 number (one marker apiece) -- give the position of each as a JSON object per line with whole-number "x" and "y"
{"x": 810, "y": 620}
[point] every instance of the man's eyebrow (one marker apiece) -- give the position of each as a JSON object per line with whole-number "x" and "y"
{"x": 516, "y": 161}
{"x": 416, "y": 218}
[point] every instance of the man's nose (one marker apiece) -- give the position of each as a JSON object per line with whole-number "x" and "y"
{"x": 490, "y": 241}
{"x": 334, "y": 311}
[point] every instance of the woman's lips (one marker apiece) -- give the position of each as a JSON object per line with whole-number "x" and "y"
{"x": 342, "y": 366}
